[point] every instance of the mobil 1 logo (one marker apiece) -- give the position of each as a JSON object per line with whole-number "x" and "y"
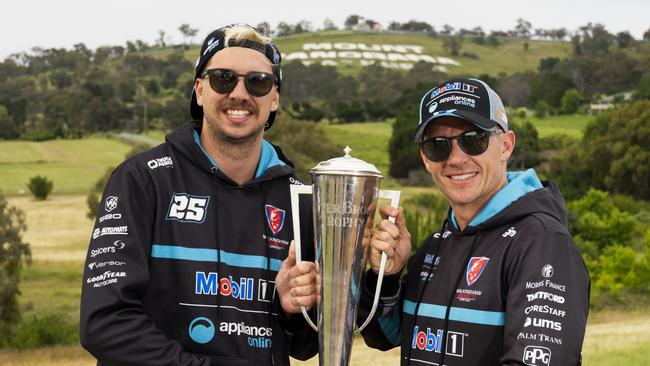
{"x": 185, "y": 207}
{"x": 537, "y": 356}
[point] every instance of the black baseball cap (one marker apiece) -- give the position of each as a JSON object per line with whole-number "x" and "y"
{"x": 469, "y": 99}
{"x": 215, "y": 42}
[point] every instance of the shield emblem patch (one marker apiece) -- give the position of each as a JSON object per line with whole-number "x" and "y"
{"x": 275, "y": 218}
{"x": 475, "y": 267}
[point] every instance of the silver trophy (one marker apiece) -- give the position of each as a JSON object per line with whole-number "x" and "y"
{"x": 344, "y": 194}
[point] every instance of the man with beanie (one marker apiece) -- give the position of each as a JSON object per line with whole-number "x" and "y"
{"x": 190, "y": 235}
{"x": 502, "y": 282}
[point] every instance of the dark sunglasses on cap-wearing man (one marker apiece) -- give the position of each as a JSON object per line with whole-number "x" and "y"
{"x": 437, "y": 149}
{"x": 223, "y": 81}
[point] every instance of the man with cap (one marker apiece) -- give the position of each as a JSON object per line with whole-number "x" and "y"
{"x": 502, "y": 282}
{"x": 190, "y": 235}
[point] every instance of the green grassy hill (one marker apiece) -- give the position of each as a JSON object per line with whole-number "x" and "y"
{"x": 509, "y": 57}
{"x": 73, "y": 165}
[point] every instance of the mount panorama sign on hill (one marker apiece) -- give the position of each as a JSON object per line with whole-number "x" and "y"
{"x": 401, "y": 56}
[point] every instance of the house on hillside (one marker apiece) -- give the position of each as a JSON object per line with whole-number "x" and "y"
{"x": 605, "y": 102}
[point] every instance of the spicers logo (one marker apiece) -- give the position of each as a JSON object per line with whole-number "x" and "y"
{"x": 475, "y": 267}
{"x": 275, "y": 218}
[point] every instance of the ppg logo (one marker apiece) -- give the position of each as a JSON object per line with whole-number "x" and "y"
{"x": 537, "y": 356}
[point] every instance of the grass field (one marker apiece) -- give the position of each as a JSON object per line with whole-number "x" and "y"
{"x": 570, "y": 125}
{"x": 73, "y": 165}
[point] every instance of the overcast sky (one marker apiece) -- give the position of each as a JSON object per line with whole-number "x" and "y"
{"x": 25, "y": 24}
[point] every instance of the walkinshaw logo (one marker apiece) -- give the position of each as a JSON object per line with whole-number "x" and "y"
{"x": 110, "y": 204}
{"x": 275, "y": 218}
{"x": 475, "y": 267}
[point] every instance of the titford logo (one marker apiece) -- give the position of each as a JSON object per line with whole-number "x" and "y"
{"x": 537, "y": 356}
{"x": 545, "y": 296}
{"x": 210, "y": 284}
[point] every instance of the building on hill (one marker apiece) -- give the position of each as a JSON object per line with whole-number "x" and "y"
{"x": 604, "y": 102}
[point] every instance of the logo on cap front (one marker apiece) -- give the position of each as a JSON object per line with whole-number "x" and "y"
{"x": 433, "y": 107}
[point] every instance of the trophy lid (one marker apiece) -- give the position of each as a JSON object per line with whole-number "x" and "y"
{"x": 346, "y": 165}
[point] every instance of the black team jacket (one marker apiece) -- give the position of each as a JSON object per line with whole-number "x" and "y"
{"x": 510, "y": 289}
{"x": 181, "y": 265}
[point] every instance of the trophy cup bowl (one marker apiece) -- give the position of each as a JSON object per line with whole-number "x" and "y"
{"x": 344, "y": 197}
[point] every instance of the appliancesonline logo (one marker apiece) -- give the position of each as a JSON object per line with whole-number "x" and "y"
{"x": 201, "y": 330}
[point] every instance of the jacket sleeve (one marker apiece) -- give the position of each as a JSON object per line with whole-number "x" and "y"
{"x": 384, "y": 330}
{"x": 114, "y": 327}
{"x": 547, "y": 303}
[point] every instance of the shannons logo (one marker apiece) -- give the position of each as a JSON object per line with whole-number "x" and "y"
{"x": 160, "y": 162}
{"x": 537, "y": 356}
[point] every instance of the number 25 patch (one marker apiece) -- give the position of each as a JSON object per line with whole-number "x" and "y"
{"x": 185, "y": 207}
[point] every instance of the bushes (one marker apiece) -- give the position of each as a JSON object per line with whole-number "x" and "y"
{"x": 40, "y": 187}
{"x": 39, "y": 331}
{"x": 13, "y": 251}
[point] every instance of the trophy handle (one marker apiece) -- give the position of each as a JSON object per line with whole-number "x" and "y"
{"x": 394, "y": 197}
{"x": 296, "y": 191}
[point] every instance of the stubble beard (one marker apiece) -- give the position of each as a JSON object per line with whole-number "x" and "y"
{"x": 219, "y": 134}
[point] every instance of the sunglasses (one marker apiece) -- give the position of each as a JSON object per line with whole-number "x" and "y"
{"x": 437, "y": 149}
{"x": 224, "y": 81}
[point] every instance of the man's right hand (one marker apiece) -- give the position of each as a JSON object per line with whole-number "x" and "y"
{"x": 297, "y": 284}
{"x": 392, "y": 239}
